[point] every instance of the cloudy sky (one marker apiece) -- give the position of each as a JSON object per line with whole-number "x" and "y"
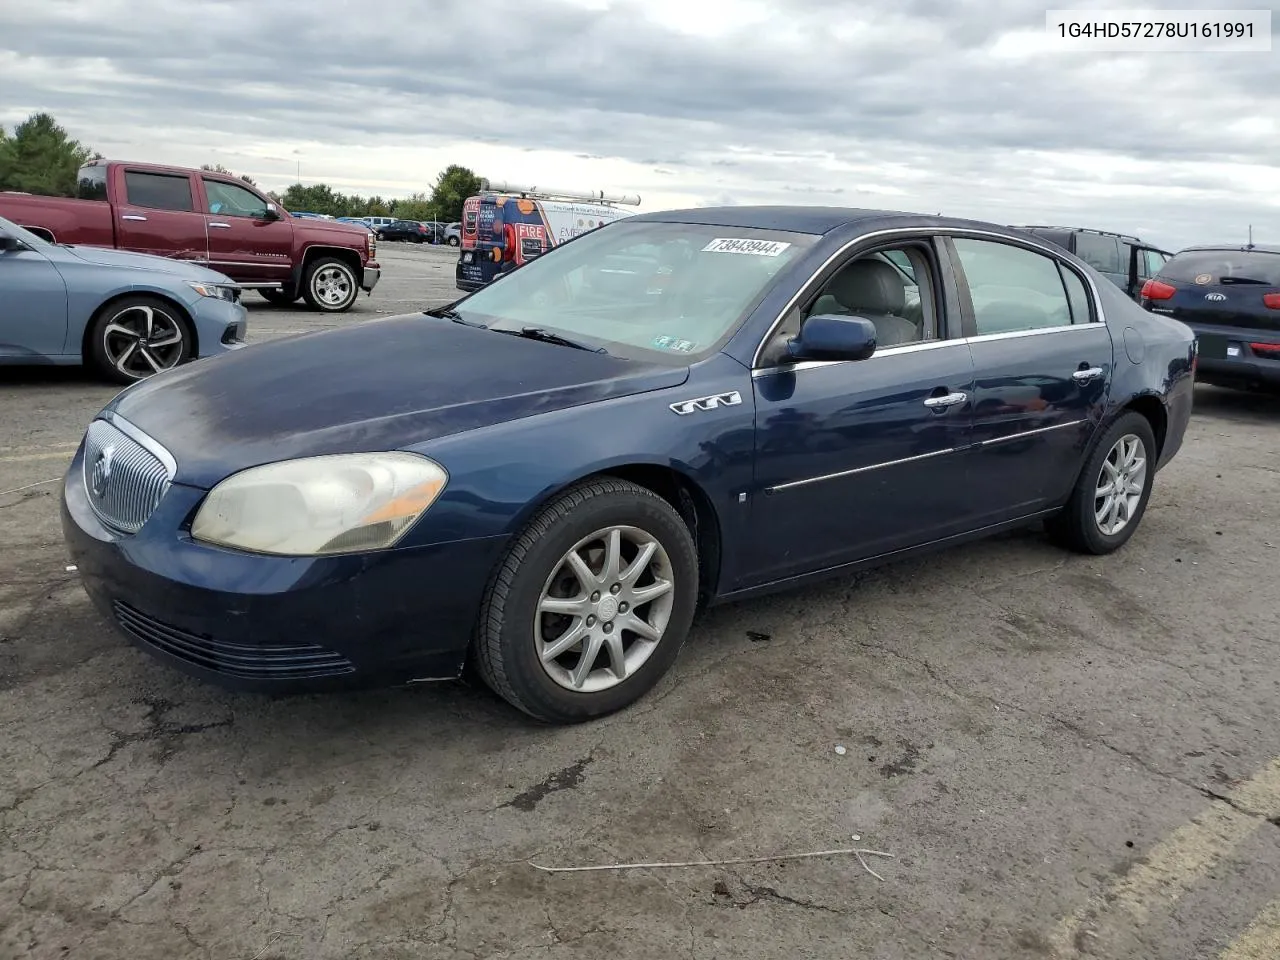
{"x": 930, "y": 105}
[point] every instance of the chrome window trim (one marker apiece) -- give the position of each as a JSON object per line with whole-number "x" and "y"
{"x": 923, "y": 345}
{"x": 142, "y": 440}
{"x": 1028, "y": 242}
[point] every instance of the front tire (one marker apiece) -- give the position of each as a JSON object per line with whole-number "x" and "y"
{"x": 1111, "y": 494}
{"x": 591, "y": 605}
{"x": 329, "y": 285}
{"x": 137, "y": 337}
{"x": 454, "y": 241}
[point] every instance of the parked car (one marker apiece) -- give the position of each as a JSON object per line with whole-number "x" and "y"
{"x": 453, "y": 234}
{"x": 1126, "y": 261}
{"x": 126, "y": 315}
{"x": 209, "y": 219}
{"x": 549, "y": 476}
{"x": 356, "y": 222}
{"x": 408, "y": 230}
{"x": 379, "y": 222}
{"x": 1230, "y": 297}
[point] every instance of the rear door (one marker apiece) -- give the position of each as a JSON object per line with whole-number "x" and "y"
{"x": 1043, "y": 363}
{"x": 244, "y": 242}
{"x": 1104, "y": 254}
{"x": 157, "y": 214}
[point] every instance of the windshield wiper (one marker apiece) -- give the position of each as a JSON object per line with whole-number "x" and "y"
{"x": 448, "y": 313}
{"x": 1243, "y": 280}
{"x": 546, "y": 336}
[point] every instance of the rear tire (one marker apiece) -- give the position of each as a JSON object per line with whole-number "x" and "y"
{"x": 329, "y": 285}
{"x": 532, "y": 655}
{"x": 134, "y": 338}
{"x": 454, "y": 241}
{"x": 1111, "y": 494}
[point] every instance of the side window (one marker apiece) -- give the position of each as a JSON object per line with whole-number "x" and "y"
{"x": 1101, "y": 253}
{"x": 228, "y": 200}
{"x": 1077, "y": 296}
{"x": 92, "y": 183}
{"x": 892, "y": 287}
{"x": 1012, "y": 288}
{"x": 1155, "y": 261}
{"x": 158, "y": 191}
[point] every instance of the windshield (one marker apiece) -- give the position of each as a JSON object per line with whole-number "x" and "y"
{"x": 642, "y": 290}
{"x": 1224, "y": 266}
{"x": 26, "y": 236}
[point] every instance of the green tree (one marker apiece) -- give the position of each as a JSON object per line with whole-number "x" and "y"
{"x": 40, "y": 157}
{"x": 452, "y": 187}
{"x": 219, "y": 168}
{"x": 316, "y": 198}
{"x": 417, "y": 207}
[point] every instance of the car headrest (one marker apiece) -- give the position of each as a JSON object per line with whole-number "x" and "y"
{"x": 869, "y": 286}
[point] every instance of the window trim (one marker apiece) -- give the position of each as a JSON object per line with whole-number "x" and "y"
{"x": 970, "y": 320}
{"x": 130, "y": 202}
{"x": 204, "y": 188}
{"x": 946, "y": 256}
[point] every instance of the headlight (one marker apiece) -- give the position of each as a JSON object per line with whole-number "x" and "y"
{"x": 346, "y": 503}
{"x": 213, "y": 290}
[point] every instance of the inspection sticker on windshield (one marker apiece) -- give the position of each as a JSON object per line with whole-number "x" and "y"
{"x": 760, "y": 248}
{"x": 674, "y": 343}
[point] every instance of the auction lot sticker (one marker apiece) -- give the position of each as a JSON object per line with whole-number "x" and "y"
{"x": 760, "y": 248}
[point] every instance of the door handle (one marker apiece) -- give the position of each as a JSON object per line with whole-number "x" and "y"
{"x": 132, "y": 216}
{"x": 950, "y": 400}
{"x": 224, "y": 226}
{"x": 1084, "y": 376}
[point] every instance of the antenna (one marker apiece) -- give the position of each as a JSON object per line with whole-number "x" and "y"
{"x": 547, "y": 193}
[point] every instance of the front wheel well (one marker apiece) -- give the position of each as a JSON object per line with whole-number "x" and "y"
{"x": 1153, "y": 410}
{"x": 346, "y": 255}
{"x": 693, "y": 505}
{"x": 179, "y": 310}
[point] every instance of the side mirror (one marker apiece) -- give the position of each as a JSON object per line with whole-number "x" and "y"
{"x": 833, "y": 337}
{"x": 272, "y": 212}
{"x": 10, "y": 244}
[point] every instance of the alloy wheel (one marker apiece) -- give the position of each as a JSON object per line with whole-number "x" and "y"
{"x": 1121, "y": 481}
{"x": 604, "y": 609}
{"x": 140, "y": 341}
{"x": 332, "y": 286}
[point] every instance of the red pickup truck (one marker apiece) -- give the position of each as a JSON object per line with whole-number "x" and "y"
{"x": 211, "y": 219}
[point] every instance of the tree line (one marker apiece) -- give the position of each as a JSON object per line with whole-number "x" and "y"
{"x": 39, "y": 156}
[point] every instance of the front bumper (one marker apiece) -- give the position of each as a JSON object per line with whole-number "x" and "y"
{"x": 372, "y": 274}
{"x": 220, "y": 325}
{"x": 1227, "y": 357}
{"x": 277, "y": 624}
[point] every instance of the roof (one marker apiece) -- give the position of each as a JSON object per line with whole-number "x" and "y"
{"x": 1065, "y": 229}
{"x": 804, "y": 219}
{"x": 1238, "y": 247}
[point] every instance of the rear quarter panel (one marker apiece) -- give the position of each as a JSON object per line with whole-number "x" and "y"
{"x": 1155, "y": 358}
{"x": 88, "y": 222}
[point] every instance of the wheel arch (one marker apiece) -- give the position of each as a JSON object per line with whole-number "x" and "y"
{"x": 346, "y": 254}
{"x": 183, "y": 314}
{"x": 1150, "y": 406}
{"x": 676, "y": 487}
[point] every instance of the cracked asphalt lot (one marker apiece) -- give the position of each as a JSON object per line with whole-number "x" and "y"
{"x": 1068, "y": 756}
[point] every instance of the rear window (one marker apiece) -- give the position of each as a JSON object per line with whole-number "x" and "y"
{"x": 92, "y": 183}
{"x": 1101, "y": 253}
{"x": 1224, "y": 266}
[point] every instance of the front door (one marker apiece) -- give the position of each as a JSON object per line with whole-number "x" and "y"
{"x": 243, "y": 242}
{"x": 33, "y": 309}
{"x": 859, "y": 459}
{"x": 1043, "y": 363}
{"x": 158, "y": 216}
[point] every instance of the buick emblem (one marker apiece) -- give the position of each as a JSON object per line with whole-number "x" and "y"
{"x": 1215, "y": 297}
{"x": 101, "y": 474}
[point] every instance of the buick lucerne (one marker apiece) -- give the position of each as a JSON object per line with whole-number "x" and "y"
{"x": 549, "y": 477}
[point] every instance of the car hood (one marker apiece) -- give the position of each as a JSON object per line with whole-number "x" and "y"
{"x": 379, "y": 385}
{"x": 331, "y": 228}
{"x": 144, "y": 261}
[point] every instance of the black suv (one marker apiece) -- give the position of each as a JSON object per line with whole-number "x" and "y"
{"x": 1126, "y": 261}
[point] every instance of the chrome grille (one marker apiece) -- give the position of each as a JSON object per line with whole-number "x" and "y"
{"x": 125, "y": 475}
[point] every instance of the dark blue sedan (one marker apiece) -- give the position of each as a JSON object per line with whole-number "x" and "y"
{"x": 550, "y": 477}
